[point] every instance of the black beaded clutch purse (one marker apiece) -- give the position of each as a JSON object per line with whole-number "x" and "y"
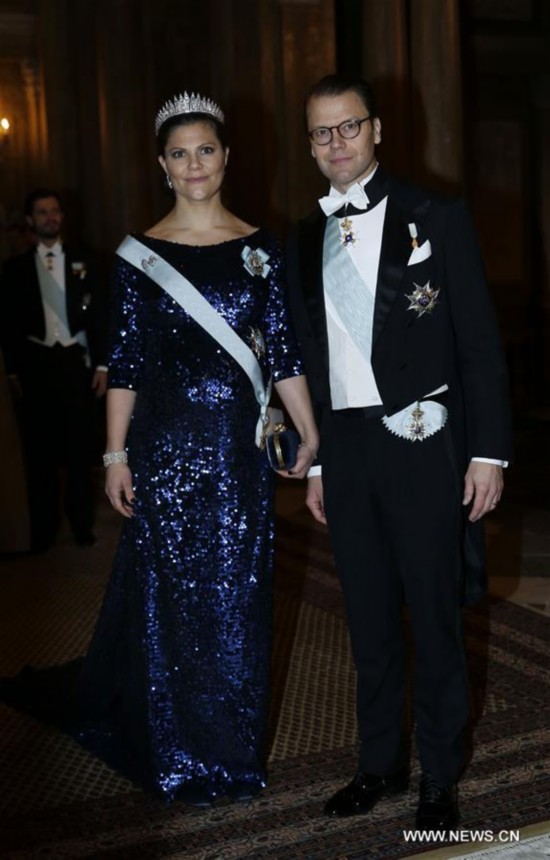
{"x": 282, "y": 447}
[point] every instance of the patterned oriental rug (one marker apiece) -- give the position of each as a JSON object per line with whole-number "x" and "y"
{"x": 57, "y": 801}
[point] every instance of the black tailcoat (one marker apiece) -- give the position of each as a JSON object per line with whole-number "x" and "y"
{"x": 23, "y": 313}
{"x": 457, "y": 344}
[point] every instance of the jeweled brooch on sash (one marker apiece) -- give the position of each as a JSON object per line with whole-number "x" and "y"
{"x": 255, "y": 261}
{"x": 257, "y": 342}
{"x": 423, "y": 300}
{"x": 148, "y": 262}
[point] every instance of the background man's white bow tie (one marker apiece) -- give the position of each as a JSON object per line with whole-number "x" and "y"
{"x": 356, "y": 195}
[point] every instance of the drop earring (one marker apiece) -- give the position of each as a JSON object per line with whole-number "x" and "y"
{"x": 169, "y": 182}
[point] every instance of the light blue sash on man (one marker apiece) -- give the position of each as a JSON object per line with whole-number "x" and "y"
{"x": 188, "y": 297}
{"x": 347, "y": 290}
{"x": 56, "y": 300}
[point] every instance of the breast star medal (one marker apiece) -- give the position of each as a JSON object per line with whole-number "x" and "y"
{"x": 423, "y": 300}
{"x": 348, "y": 236}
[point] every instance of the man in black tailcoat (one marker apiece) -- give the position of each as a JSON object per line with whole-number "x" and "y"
{"x": 53, "y": 335}
{"x": 407, "y": 373}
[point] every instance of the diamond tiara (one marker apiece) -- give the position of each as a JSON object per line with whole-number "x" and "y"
{"x": 185, "y": 103}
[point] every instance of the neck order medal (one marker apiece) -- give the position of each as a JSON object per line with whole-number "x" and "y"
{"x": 348, "y": 236}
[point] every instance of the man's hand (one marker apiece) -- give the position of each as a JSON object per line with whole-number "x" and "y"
{"x": 314, "y": 498}
{"x": 483, "y": 487}
{"x": 99, "y": 382}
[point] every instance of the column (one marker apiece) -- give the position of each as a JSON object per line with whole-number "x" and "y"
{"x": 436, "y": 95}
{"x": 308, "y": 53}
{"x": 386, "y": 67}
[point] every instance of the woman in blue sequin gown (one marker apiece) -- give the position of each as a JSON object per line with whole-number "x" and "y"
{"x": 175, "y": 685}
{"x": 173, "y": 692}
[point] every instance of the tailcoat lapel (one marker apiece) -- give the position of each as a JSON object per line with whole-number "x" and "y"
{"x": 34, "y": 310}
{"x": 394, "y": 254}
{"x": 402, "y": 209}
{"x": 71, "y": 294}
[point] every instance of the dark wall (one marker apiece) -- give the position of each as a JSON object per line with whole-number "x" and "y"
{"x": 507, "y": 135}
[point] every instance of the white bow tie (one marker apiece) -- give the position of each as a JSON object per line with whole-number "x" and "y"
{"x": 356, "y": 195}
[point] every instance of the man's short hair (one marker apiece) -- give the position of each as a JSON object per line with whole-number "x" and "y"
{"x": 337, "y": 85}
{"x": 39, "y": 194}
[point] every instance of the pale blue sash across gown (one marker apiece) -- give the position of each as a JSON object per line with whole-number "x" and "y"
{"x": 188, "y": 297}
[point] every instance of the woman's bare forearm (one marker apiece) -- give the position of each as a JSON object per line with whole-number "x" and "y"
{"x": 120, "y": 406}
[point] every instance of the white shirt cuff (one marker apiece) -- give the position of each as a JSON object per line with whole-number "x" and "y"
{"x": 102, "y": 367}
{"x": 315, "y": 471}
{"x": 503, "y": 463}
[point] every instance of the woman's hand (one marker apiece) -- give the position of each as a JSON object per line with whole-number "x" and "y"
{"x": 119, "y": 490}
{"x": 295, "y": 396}
{"x": 306, "y": 456}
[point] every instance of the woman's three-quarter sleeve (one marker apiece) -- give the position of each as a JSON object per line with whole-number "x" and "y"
{"x": 283, "y": 350}
{"x": 127, "y": 328}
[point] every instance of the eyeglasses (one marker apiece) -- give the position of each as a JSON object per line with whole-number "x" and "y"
{"x": 348, "y": 129}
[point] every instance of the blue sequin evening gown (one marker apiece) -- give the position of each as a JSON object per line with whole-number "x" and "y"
{"x": 174, "y": 690}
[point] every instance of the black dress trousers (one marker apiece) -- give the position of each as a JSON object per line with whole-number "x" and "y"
{"x": 394, "y": 514}
{"x": 57, "y": 413}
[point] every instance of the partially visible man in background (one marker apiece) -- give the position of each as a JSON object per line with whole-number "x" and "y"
{"x": 53, "y": 334}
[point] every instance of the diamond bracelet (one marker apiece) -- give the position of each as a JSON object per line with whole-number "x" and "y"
{"x": 114, "y": 457}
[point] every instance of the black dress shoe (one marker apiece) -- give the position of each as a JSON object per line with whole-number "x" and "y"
{"x": 364, "y": 791}
{"x": 437, "y": 805}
